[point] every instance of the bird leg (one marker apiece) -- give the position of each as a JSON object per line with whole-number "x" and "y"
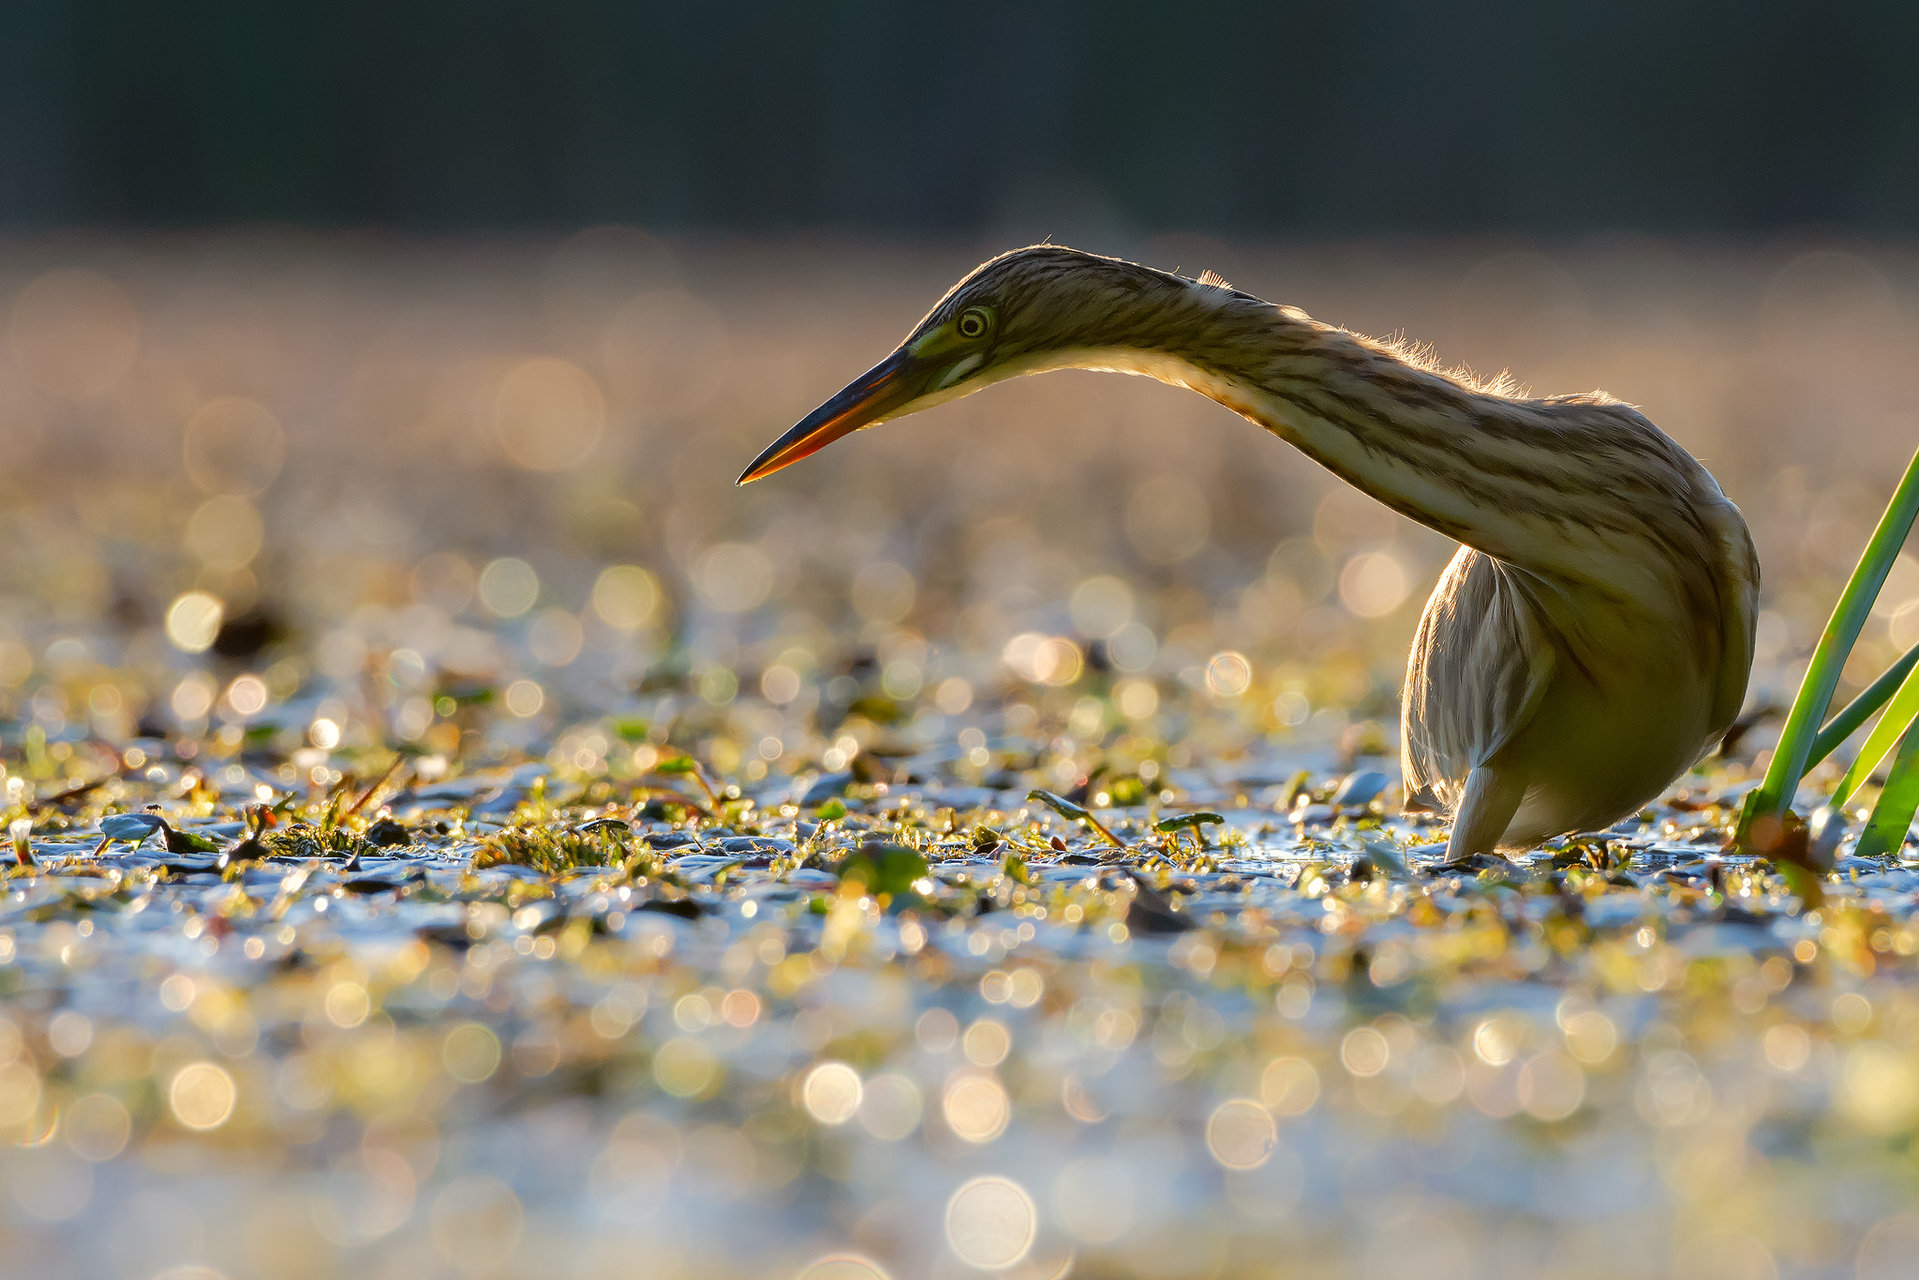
{"x": 1485, "y": 811}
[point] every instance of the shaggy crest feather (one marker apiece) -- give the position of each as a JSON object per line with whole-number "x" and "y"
{"x": 1425, "y": 357}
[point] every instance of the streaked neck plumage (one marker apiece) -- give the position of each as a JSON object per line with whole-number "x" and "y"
{"x": 1569, "y": 488}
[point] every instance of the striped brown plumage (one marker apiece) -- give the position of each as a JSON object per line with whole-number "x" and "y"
{"x": 1592, "y": 637}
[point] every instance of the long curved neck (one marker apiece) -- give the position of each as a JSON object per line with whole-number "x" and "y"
{"x": 1569, "y": 488}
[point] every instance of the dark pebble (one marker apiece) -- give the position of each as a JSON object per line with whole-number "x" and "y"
{"x": 386, "y": 834}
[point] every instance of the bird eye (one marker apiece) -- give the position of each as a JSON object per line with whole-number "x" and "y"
{"x": 972, "y": 323}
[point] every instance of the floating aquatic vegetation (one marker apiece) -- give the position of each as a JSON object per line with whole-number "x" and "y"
{"x": 918, "y": 1024}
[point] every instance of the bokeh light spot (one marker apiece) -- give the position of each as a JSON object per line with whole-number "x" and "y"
{"x": 555, "y": 638}
{"x": 524, "y": 698}
{"x": 991, "y": 1222}
{"x": 685, "y": 1068}
{"x": 1373, "y": 584}
{"x": 1551, "y": 1086}
{"x": 1887, "y": 1251}
{"x": 247, "y": 696}
{"x": 235, "y": 447}
{"x": 733, "y": 577}
{"x": 1591, "y": 1036}
{"x": 1136, "y": 699}
{"x": 1289, "y": 1086}
{"x": 548, "y": 414}
{"x": 1100, "y": 606}
{"x": 19, "y": 1093}
{"x": 1241, "y": 1134}
{"x": 986, "y": 1043}
{"x": 976, "y": 1107}
{"x": 1364, "y": 1051}
{"x": 1043, "y": 659}
{"x": 97, "y": 1127}
{"x": 225, "y": 532}
{"x": 193, "y": 696}
{"x": 890, "y": 1106}
{"x": 626, "y": 597}
{"x": 471, "y": 1052}
{"x": 1496, "y": 1039}
{"x": 193, "y": 620}
{"x": 953, "y": 695}
{"x": 509, "y": 587}
{"x": 69, "y": 1032}
{"x": 202, "y": 1095}
{"x": 832, "y": 1093}
{"x": 1228, "y": 675}
{"x": 1904, "y": 625}
{"x": 444, "y": 580}
{"x": 1133, "y": 647}
{"x": 842, "y": 1266}
{"x": 347, "y": 1004}
{"x": 780, "y": 684}
{"x": 1786, "y": 1046}
{"x": 1879, "y": 1088}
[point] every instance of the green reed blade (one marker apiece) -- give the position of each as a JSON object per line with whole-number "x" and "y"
{"x": 1860, "y": 709}
{"x": 1892, "y": 817}
{"x": 1774, "y": 795}
{"x": 1885, "y": 735}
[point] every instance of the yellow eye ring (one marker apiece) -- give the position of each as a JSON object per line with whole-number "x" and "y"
{"x": 972, "y": 323}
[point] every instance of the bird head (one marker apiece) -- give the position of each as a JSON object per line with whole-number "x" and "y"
{"x": 1045, "y": 307}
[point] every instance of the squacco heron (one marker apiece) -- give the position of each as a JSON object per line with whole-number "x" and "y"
{"x": 1590, "y": 640}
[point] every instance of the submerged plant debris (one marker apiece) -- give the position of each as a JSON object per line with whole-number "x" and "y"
{"x": 452, "y": 833}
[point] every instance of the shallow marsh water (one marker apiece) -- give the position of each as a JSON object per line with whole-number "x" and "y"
{"x": 921, "y": 1026}
{"x": 655, "y": 888}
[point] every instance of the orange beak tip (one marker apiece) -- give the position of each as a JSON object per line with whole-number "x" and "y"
{"x": 866, "y": 402}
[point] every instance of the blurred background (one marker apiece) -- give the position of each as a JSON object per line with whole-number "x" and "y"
{"x": 860, "y": 117}
{"x": 360, "y": 358}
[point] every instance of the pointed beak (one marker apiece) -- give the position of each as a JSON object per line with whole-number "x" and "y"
{"x": 874, "y": 396}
